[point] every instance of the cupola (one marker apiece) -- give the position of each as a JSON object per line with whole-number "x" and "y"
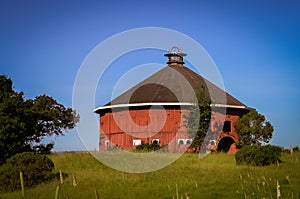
{"x": 175, "y": 56}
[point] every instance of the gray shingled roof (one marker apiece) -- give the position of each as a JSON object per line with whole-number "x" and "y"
{"x": 174, "y": 83}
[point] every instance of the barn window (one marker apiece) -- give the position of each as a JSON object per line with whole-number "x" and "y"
{"x": 184, "y": 141}
{"x": 107, "y": 143}
{"x": 155, "y": 141}
{"x": 136, "y": 142}
{"x": 188, "y": 141}
{"x": 227, "y": 127}
{"x": 180, "y": 141}
{"x": 213, "y": 142}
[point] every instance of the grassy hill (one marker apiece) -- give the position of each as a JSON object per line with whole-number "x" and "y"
{"x": 215, "y": 176}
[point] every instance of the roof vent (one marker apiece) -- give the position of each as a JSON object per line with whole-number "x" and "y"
{"x": 175, "y": 56}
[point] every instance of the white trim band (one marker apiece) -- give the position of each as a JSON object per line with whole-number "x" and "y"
{"x": 144, "y": 104}
{"x": 228, "y": 106}
{"x": 163, "y": 104}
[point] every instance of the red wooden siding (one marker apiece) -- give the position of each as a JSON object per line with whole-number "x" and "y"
{"x": 164, "y": 125}
{"x": 167, "y": 125}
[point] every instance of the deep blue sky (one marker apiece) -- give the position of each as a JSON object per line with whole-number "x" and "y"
{"x": 255, "y": 44}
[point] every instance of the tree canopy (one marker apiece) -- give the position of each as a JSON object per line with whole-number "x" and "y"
{"x": 25, "y": 123}
{"x": 198, "y": 119}
{"x": 253, "y": 129}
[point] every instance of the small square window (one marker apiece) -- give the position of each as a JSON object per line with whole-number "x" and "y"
{"x": 180, "y": 141}
{"x": 155, "y": 141}
{"x": 107, "y": 143}
{"x": 136, "y": 142}
{"x": 188, "y": 141}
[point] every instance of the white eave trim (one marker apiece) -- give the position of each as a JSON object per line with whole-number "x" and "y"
{"x": 228, "y": 106}
{"x": 144, "y": 104}
{"x": 163, "y": 104}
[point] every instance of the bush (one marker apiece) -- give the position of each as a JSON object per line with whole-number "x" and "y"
{"x": 258, "y": 155}
{"x": 296, "y": 149}
{"x": 146, "y": 147}
{"x": 36, "y": 168}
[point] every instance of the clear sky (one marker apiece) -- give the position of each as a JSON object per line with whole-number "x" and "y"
{"x": 255, "y": 44}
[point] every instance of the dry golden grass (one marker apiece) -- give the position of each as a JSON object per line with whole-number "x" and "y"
{"x": 214, "y": 176}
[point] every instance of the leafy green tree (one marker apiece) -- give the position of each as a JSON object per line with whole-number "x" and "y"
{"x": 198, "y": 119}
{"x": 25, "y": 123}
{"x": 253, "y": 129}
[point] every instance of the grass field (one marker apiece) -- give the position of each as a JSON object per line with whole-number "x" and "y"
{"x": 214, "y": 176}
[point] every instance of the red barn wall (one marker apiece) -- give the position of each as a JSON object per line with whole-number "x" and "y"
{"x": 139, "y": 125}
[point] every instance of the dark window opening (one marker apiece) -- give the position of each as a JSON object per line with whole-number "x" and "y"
{"x": 227, "y": 127}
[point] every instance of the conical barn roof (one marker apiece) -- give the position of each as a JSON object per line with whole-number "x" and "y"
{"x": 175, "y": 84}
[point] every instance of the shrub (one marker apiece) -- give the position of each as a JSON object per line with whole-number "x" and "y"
{"x": 36, "y": 168}
{"x": 258, "y": 155}
{"x": 296, "y": 148}
{"x": 146, "y": 147}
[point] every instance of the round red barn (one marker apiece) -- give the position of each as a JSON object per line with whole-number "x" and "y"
{"x": 154, "y": 110}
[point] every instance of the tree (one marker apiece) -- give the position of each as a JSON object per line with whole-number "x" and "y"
{"x": 253, "y": 129}
{"x": 198, "y": 119}
{"x": 25, "y": 123}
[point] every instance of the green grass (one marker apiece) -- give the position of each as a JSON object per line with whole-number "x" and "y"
{"x": 214, "y": 176}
